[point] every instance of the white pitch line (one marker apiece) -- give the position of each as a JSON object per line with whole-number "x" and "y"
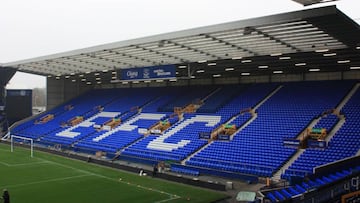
{"x": 44, "y": 181}
{"x": 166, "y": 200}
{"x": 5, "y": 164}
{"x": 23, "y": 164}
{"x": 172, "y": 196}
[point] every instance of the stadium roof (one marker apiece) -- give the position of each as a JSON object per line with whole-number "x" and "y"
{"x": 320, "y": 39}
{"x": 311, "y": 2}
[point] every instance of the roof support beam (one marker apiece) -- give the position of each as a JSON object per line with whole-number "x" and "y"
{"x": 88, "y": 63}
{"x": 230, "y": 44}
{"x": 133, "y": 57}
{"x": 194, "y": 49}
{"x": 108, "y": 60}
{"x": 276, "y": 39}
{"x": 73, "y": 65}
{"x": 164, "y": 54}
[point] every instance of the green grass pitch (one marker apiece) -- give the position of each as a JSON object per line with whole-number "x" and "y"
{"x": 48, "y": 178}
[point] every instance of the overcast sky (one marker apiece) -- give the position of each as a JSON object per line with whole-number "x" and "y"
{"x": 32, "y": 28}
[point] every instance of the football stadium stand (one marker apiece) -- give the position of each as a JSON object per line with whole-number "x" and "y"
{"x": 244, "y": 124}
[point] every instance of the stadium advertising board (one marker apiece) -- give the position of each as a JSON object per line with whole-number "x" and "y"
{"x": 148, "y": 73}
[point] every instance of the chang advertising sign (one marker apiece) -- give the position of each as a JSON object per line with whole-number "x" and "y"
{"x": 148, "y": 73}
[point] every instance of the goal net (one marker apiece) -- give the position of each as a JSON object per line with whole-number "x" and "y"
{"x": 24, "y": 141}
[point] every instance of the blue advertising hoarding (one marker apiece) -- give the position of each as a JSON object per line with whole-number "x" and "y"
{"x": 148, "y": 73}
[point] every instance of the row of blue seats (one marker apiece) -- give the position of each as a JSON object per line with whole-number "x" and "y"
{"x": 184, "y": 170}
{"x": 288, "y": 193}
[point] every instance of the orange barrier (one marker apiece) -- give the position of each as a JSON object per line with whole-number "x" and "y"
{"x": 76, "y": 120}
{"x": 113, "y": 123}
{"x": 225, "y": 129}
{"x": 160, "y": 126}
{"x": 45, "y": 119}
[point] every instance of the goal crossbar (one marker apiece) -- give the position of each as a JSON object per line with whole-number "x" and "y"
{"x": 23, "y": 138}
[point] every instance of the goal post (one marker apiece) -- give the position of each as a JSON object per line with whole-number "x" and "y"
{"x": 13, "y": 139}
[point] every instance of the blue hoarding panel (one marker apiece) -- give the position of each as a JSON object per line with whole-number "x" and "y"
{"x": 204, "y": 135}
{"x": 317, "y": 144}
{"x": 291, "y": 142}
{"x": 223, "y": 137}
{"x": 148, "y": 73}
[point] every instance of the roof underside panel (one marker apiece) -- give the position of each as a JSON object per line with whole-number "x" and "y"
{"x": 290, "y": 33}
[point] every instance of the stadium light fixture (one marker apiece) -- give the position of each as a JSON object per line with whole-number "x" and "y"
{"x": 276, "y": 54}
{"x": 202, "y": 61}
{"x": 125, "y": 82}
{"x": 49, "y": 76}
{"x": 358, "y": 47}
{"x": 263, "y": 67}
{"x": 344, "y": 61}
{"x": 300, "y": 64}
{"x": 216, "y": 75}
{"x": 96, "y": 74}
{"x": 83, "y": 79}
{"x": 97, "y": 78}
{"x": 173, "y": 80}
{"x": 114, "y": 77}
{"x": 159, "y": 80}
{"x": 88, "y": 83}
{"x": 192, "y": 77}
{"x": 72, "y": 73}
{"x": 99, "y": 82}
{"x": 211, "y": 64}
{"x": 105, "y": 71}
{"x": 81, "y": 75}
{"x": 355, "y": 68}
{"x": 314, "y": 70}
{"x": 330, "y": 54}
{"x": 321, "y": 50}
{"x": 285, "y": 58}
{"x": 200, "y": 71}
{"x": 182, "y": 67}
{"x": 87, "y": 72}
{"x": 236, "y": 58}
{"x": 229, "y": 69}
{"x": 135, "y": 82}
{"x": 67, "y": 77}
{"x": 57, "y": 77}
{"x": 73, "y": 80}
{"x": 277, "y": 71}
{"x": 246, "y": 61}
{"x": 114, "y": 72}
{"x": 147, "y": 81}
{"x": 245, "y": 74}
